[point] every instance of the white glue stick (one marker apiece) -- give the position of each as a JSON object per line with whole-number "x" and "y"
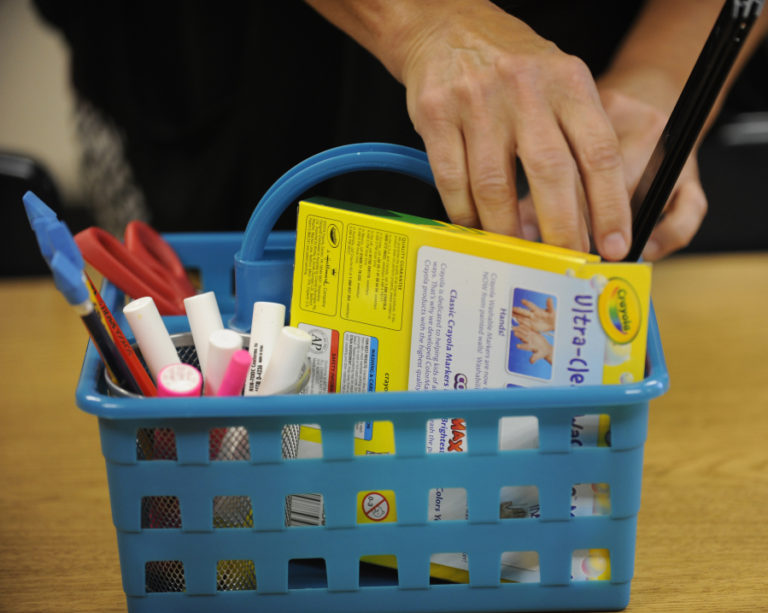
{"x": 221, "y": 345}
{"x": 268, "y": 320}
{"x": 151, "y": 334}
{"x": 287, "y": 362}
{"x": 204, "y": 317}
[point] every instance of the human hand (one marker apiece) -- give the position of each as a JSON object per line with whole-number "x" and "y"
{"x": 534, "y": 342}
{"x": 638, "y": 124}
{"x": 533, "y": 317}
{"x": 483, "y": 88}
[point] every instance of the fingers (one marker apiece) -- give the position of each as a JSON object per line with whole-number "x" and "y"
{"x": 598, "y": 154}
{"x": 522, "y": 332}
{"x": 638, "y": 124}
{"x": 493, "y": 90}
{"x": 445, "y": 149}
{"x": 489, "y": 138}
{"x": 681, "y": 221}
{"x": 472, "y": 159}
{"x": 553, "y": 178}
{"x": 522, "y": 314}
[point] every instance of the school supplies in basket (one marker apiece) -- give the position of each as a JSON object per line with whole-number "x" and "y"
{"x": 179, "y": 552}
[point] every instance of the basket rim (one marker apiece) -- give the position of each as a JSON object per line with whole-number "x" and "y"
{"x": 365, "y": 405}
{"x": 557, "y": 400}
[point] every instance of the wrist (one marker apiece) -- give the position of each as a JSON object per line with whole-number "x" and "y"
{"x": 651, "y": 85}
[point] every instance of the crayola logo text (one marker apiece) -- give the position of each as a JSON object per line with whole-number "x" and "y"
{"x": 460, "y": 381}
{"x": 619, "y": 311}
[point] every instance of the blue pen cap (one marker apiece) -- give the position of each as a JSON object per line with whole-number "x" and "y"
{"x": 60, "y": 239}
{"x": 69, "y": 279}
{"x": 40, "y": 215}
{"x": 36, "y": 208}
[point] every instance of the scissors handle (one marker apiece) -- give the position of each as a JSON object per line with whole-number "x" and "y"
{"x": 156, "y": 254}
{"x": 118, "y": 264}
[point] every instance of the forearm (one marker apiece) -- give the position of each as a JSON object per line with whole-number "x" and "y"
{"x": 392, "y": 30}
{"x": 658, "y": 53}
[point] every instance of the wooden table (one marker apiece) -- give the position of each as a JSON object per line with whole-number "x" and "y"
{"x": 702, "y": 537}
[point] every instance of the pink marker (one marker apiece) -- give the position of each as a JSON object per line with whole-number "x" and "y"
{"x": 234, "y": 377}
{"x": 179, "y": 380}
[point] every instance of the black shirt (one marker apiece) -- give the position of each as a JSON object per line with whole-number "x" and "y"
{"x": 216, "y": 99}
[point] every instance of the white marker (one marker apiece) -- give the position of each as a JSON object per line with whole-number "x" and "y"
{"x": 204, "y": 317}
{"x": 268, "y": 320}
{"x": 221, "y": 345}
{"x": 151, "y": 334}
{"x": 287, "y": 362}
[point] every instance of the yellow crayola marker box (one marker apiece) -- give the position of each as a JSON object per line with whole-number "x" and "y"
{"x": 397, "y": 302}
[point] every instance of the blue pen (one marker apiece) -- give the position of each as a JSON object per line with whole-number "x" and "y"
{"x": 70, "y": 282}
{"x": 55, "y": 239}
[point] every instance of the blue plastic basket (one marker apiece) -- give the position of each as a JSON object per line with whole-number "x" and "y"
{"x": 195, "y": 549}
{"x": 175, "y": 555}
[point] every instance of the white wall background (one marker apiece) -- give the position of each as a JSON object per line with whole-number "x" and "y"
{"x": 36, "y": 109}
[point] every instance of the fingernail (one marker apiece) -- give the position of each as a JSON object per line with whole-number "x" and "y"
{"x": 530, "y": 232}
{"x": 614, "y": 246}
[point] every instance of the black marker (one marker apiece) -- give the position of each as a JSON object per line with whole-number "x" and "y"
{"x": 688, "y": 117}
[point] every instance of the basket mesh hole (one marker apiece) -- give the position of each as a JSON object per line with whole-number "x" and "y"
{"x": 590, "y": 565}
{"x": 378, "y": 570}
{"x": 520, "y": 567}
{"x": 589, "y": 499}
{"x": 160, "y": 512}
{"x": 164, "y": 576}
{"x": 518, "y": 433}
{"x": 376, "y": 507}
{"x": 232, "y": 512}
{"x": 308, "y": 437}
{"x": 188, "y": 355}
{"x": 155, "y": 444}
{"x": 307, "y": 573}
{"x": 447, "y": 503}
{"x": 519, "y": 502}
{"x": 591, "y": 431}
{"x": 374, "y": 438}
{"x": 446, "y": 568}
{"x": 305, "y": 510}
{"x": 447, "y": 434}
{"x": 235, "y": 575}
{"x": 228, "y": 444}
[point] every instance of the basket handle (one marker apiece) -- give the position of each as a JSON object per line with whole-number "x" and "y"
{"x": 318, "y": 168}
{"x": 250, "y": 268}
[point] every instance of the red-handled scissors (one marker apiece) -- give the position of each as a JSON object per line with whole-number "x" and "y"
{"x": 146, "y": 265}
